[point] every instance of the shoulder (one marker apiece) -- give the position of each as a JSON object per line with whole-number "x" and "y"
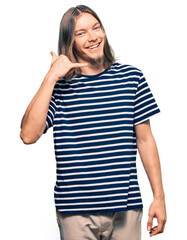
{"x": 116, "y": 66}
{"x": 126, "y": 70}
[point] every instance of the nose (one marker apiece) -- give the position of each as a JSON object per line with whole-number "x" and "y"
{"x": 92, "y": 37}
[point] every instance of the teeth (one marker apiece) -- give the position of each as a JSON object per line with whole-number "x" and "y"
{"x": 94, "y": 46}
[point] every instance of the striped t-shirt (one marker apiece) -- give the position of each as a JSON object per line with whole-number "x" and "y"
{"x": 93, "y": 119}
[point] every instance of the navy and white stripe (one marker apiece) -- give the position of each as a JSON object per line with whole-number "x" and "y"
{"x": 93, "y": 119}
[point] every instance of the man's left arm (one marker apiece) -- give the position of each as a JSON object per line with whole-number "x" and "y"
{"x": 150, "y": 159}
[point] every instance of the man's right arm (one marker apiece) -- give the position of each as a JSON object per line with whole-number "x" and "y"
{"x": 34, "y": 121}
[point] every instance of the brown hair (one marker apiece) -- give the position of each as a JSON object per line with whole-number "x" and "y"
{"x": 66, "y": 37}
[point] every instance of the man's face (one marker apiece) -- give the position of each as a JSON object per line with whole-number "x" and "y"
{"x": 89, "y": 38}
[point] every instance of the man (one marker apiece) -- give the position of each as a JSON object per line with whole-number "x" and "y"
{"x": 100, "y": 111}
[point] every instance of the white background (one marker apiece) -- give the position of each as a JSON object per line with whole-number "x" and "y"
{"x": 150, "y": 35}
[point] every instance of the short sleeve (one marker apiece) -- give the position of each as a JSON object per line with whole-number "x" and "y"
{"x": 50, "y": 114}
{"x": 145, "y": 104}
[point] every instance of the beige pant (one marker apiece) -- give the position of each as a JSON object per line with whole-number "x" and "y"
{"x": 101, "y": 226}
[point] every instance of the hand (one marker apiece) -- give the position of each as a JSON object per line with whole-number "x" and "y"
{"x": 157, "y": 210}
{"x": 61, "y": 66}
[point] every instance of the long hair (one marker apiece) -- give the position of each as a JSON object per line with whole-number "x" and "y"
{"x": 66, "y": 38}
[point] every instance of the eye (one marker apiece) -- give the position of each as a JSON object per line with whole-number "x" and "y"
{"x": 97, "y": 27}
{"x": 79, "y": 34}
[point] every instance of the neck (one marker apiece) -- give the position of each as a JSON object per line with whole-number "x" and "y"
{"x": 92, "y": 69}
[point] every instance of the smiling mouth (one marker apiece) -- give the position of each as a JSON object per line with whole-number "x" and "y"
{"x": 94, "y": 46}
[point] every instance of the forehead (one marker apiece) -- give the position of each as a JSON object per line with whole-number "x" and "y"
{"x": 84, "y": 21}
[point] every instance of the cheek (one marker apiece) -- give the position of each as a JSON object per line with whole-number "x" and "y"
{"x": 103, "y": 37}
{"x": 79, "y": 43}
{"x": 102, "y": 34}
{"x": 104, "y": 41}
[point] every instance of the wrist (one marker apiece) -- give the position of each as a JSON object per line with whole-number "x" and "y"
{"x": 51, "y": 78}
{"x": 159, "y": 195}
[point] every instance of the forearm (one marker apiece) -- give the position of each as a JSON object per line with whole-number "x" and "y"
{"x": 33, "y": 123}
{"x": 150, "y": 159}
{"x": 34, "y": 120}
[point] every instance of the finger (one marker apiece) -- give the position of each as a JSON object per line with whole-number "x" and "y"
{"x": 54, "y": 57}
{"x": 79, "y": 65}
{"x": 164, "y": 226}
{"x": 161, "y": 224}
{"x": 156, "y": 230}
{"x": 150, "y": 223}
{"x": 153, "y": 231}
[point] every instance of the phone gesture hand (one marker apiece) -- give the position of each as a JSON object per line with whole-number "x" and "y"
{"x": 61, "y": 66}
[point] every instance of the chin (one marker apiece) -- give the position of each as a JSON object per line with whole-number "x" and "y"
{"x": 97, "y": 61}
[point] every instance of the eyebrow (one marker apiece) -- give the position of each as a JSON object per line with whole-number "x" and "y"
{"x": 82, "y": 29}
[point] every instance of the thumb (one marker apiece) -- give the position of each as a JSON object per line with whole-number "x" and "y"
{"x": 150, "y": 223}
{"x": 54, "y": 57}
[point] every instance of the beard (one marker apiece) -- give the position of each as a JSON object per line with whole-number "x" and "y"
{"x": 97, "y": 61}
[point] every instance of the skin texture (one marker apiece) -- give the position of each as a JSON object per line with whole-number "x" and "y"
{"x": 34, "y": 121}
{"x": 88, "y": 33}
{"x": 150, "y": 159}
